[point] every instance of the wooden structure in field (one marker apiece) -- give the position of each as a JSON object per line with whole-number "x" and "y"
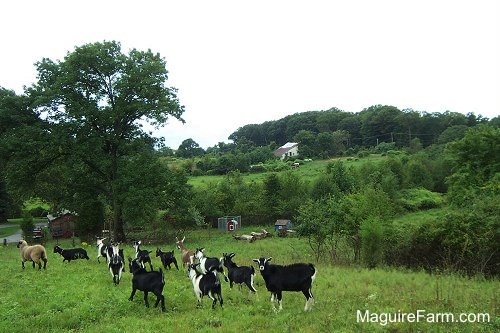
{"x": 62, "y": 225}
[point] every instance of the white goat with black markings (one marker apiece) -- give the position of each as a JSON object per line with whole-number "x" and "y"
{"x": 208, "y": 264}
{"x": 142, "y": 256}
{"x": 147, "y": 282}
{"x": 239, "y": 274}
{"x": 205, "y": 284}
{"x": 102, "y": 248}
{"x": 116, "y": 263}
{"x": 294, "y": 277}
{"x": 71, "y": 254}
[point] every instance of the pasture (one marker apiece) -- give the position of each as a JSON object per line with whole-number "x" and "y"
{"x": 80, "y": 296}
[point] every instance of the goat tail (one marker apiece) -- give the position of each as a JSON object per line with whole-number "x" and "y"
{"x": 314, "y": 271}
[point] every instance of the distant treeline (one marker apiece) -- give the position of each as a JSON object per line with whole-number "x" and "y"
{"x": 326, "y": 134}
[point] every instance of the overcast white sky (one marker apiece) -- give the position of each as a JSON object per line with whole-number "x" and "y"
{"x": 245, "y": 62}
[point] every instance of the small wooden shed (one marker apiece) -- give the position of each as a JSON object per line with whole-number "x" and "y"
{"x": 283, "y": 225}
{"x": 62, "y": 225}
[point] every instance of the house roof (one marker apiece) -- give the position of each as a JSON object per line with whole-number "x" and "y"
{"x": 285, "y": 148}
{"x": 282, "y": 222}
{"x": 51, "y": 217}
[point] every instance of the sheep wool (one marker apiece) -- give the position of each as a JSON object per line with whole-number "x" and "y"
{"x": 35, "y": 253}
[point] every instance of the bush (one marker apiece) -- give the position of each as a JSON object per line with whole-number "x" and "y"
{"x": 27, "y": 225}
{"x": 372, "y": 242}
{"x": 419, "y": 199}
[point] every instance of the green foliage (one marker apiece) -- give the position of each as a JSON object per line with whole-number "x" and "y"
{"x": 95, "y": 102}
{"x": 420, "y": 199}
{"x": 372, "y": 234}
{"x": 27, "y": 225}
{"x": 476, "y": 159}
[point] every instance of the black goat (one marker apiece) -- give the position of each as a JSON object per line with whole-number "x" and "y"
{"x": 71, "y": 254}
{"x": 294, "y": 277}
{"x": 167, "y": 258}
{"x": 208, "y": 264}
{"x": 238, "y": 274}
{"x": 147, "y": 282}
{"x": 206, "y": 284}
{"x": 142, "y": 255}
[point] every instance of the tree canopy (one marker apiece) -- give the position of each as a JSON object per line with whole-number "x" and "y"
{"x": 95, "y": 103}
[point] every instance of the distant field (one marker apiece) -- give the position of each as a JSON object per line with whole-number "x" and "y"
{"x": 308, "y": 170}
{"x": 80, "y": 296}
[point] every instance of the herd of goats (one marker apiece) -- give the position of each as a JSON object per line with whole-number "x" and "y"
{"x": 203, "y": 271}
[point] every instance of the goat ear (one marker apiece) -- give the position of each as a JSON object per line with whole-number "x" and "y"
{"x": 231, "y": 255}
{"x": 270, "y": 258}
{"x": 176, "y": 239}
{"x": 183, "y": 238}
{"x": 256, "y": 260}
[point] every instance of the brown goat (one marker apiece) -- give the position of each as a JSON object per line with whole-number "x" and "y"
{"x": 186, "y": 255}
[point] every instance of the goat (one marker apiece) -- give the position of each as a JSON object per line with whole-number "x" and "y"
{"x": 147, "y": 282}
{"x": 167, "y": 258}
{"x": 249, "y": 238}
{"x": 208, "y": 264}
{"x": 142, "y": 255}
{"x": 71, "y": 254}
{"x": 102, "y": 248}
{"x": 205, "y": 284}
{"x": 239, "y": 274}
{"x": 35, "y": 253}
{"x": 116, "y": 263}
{"x": 186, "y": 255}
{"x": 260, "y": 235}
{"x": 294, "y": 277}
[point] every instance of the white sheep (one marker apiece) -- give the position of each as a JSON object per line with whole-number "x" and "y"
{"x": 35, "y": 253}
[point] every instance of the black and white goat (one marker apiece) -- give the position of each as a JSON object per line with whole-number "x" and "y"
{"x": 71, "y": 254}
{"x": 116, "y": 263}
{"x": 294, "y": 277}
{"x": 102, "y": 248}
{"x": 238, "y": 274}
{"x": 142, "y": 256}
{"x": 205, "y": 284}
{"x": 208, "y": 264}
{"x": 167, "y": 258}
{"x": 147, "y": 282}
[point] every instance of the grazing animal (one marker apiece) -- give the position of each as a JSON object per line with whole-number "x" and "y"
{"x": 102, "y": 248}
{"x": 167, "y": 258}
{"x": 238, "y": 274}
{"x": 208, "y": 264}
{"x": 142, "y": 255}
{"x": 249, "y": 238}
{"x": 260, "y": 235}
{"x": 205, "y": 284}
{"x": 116, "y": 263}
{"x": 71, "y": 254}
{"x": 186, "y": 255}
{"x": 35, "y": 253}
{"x": 294, "y": 277}
{"x": 147, "y": 282}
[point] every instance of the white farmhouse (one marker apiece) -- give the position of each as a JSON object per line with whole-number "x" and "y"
{"x": 287, "y": 150}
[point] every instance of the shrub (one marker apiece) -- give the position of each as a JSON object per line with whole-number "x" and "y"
{"x": 419, "y": 198}
{"x": 27, "y": 225}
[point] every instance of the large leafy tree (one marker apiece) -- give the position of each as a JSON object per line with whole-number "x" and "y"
{"x": 96, "y": 101}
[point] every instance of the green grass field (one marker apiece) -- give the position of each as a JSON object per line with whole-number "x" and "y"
{"x": 307, "y": 170}
{"x": 80, "y": 296}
